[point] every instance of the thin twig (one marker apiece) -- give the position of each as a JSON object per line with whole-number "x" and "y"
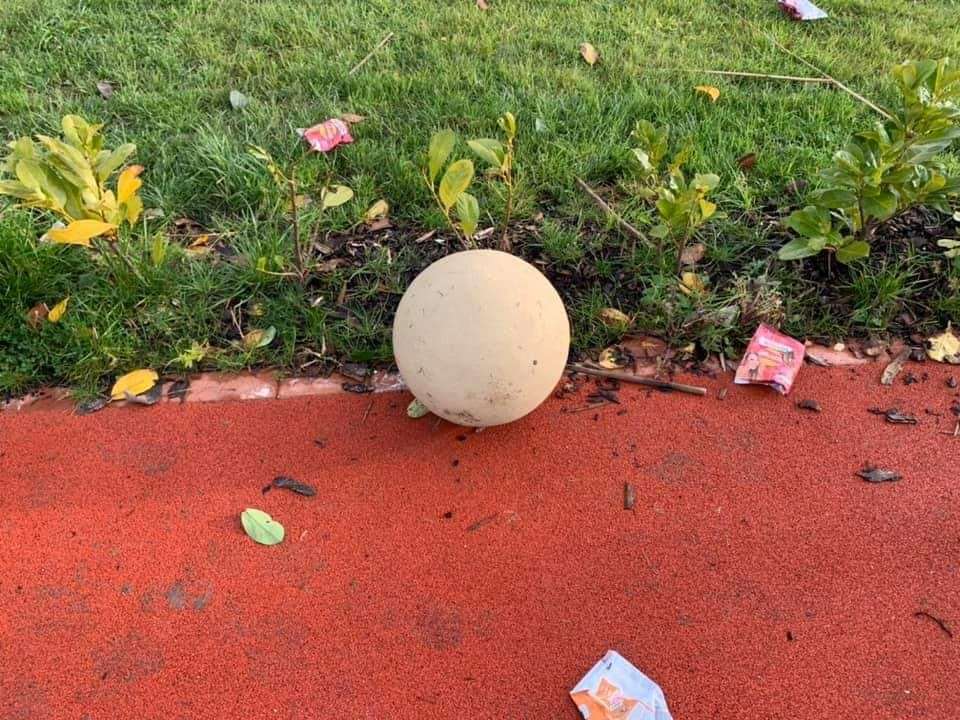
{"x": 833, "y": 80}
{"x": 768, "y": 76}
{"x": 627, "y": 377}
{"x": 386, "y": 39}
{"x": 938, "y": 621}
{"x": 745, "y": 74}
{"x": 601, "y": 203}
{"x": 849, "y": 91}
{"x": 367, "y": 411}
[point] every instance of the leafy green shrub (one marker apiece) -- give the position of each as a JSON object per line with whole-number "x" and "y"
{"x": 68, "y": 177}
{"x": 500, "y": 157}
{"x": 885, "y": 171}
{"x": 681, "y": 203}
{"x": 451, "y": 192}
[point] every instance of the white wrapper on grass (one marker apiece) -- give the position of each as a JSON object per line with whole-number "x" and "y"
{"x": 615, "y": 688}
{"x": 802, "y": 10}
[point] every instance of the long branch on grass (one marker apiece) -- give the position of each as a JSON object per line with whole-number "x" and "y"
{"x": 628, "y": 378}
{"x": 602, "y": 204}
{"x": 836, "y": 83}
{"x": 386, "y": 39}
{"x": 752, "y": 75}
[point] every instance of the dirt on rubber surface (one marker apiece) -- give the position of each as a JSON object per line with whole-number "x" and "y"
{"x": 442, "y": 573}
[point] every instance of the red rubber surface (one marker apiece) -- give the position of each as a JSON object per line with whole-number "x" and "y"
{"x": 128, "y": 589}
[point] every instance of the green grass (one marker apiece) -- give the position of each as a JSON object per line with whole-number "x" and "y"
{"x": 174, "y": 62}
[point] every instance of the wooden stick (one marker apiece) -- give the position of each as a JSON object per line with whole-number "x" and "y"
{"x": 766, "y": 76}
{"x": 837, "y": 83}
{"x": 627, "y": 227}
{"x": 628, "y": 378}
{"x": 386, "y": 39}
{"x": 745, "y": 74}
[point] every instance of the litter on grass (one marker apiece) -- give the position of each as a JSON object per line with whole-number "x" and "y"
{"x": 772, "y": 358}
{"x": 325, "y": 136}
{"x": 615, "y": 690}
{"x": 802, "y": 10}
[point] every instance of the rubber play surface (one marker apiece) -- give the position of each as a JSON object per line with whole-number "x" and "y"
{"x": 443, "y": 573}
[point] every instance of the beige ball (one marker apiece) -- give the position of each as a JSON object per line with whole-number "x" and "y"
{"x": 481, "y": 338}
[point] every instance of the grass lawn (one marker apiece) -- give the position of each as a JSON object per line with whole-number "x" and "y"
{"x": 449, "y": 64}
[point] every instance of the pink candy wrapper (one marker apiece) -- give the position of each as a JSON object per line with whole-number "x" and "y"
{"x": 325, "y": 136}
{"x": 615, "y": 690}
{"x": 772, "y": 358}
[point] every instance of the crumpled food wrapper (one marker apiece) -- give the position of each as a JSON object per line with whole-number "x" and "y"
{"x": 615, "y": 690}
{"x": 772, "y": 358}
{"x": 325, "y": 136}
{"x": 802, "y": 10}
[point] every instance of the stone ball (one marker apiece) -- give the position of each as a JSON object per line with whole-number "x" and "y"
{"x": 481, "y": 338}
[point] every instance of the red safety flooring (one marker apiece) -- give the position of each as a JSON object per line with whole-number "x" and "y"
{"x": 441, "y": 573}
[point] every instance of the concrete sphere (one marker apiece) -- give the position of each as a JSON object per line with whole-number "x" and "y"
{"x": 481, "y": 338}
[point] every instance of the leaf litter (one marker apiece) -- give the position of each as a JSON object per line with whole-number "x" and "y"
{"x": 288, "y": 483}
{"x": 877, "y": 475}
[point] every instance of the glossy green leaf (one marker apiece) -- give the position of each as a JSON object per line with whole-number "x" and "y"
{"x": 468, "y": 211}
{"x": 441, "y": 145}
{"x": 489, "y": 150}
{"x": 797, "y": 249}
{"x": 853, "y": 251}
{"x": 261, "y": 527}
{"x": 455, "y": 180}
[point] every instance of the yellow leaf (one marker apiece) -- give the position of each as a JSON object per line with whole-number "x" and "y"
{"x": 352, "y": 118}
{"x": 691, "y": 283}
{"x": 612, "y": 358}
{"x": 134, "y": 208}
{"x": 378, "y": 210}
{"x": 945, "y": 347}
{"x": 200, "y": 241}
{"x": 134, "y": 383}
{"x": 612, "y": 317}
{"x": 80, "y": 232}
{"x": 589, "y": 53}
{"x": 710, "y": 91}
{"x": 128, "y": 183}
{"x": 57, "y": 311}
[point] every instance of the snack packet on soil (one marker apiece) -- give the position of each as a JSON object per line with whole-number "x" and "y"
{"x": 615, "y": 690}
{"x": 772, "y": 358}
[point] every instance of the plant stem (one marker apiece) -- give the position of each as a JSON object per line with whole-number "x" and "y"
{"x": 297, "y": 248}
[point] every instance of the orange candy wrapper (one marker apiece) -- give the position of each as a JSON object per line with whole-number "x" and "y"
{"x": 772, "y": 358}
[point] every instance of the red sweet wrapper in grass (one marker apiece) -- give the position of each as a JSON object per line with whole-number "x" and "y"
{"x": 772, "y": 358}
{"x": 325, "y": 136}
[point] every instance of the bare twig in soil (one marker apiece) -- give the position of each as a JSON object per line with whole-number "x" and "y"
{"x": 627, "y": 377}
{"x": 367, "y": 411}
{"x": 938, "y": 621}
{"x": 386, "y": 39}
{"x": 602, "y": 204}
{"x": 629, "y": 496}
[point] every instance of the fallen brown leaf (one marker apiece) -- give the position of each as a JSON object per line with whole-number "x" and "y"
{"x": 352, "y": 118}
{"x": 692, "y": 254}
{"x": 589, "y": 53}
{"x": 105, "y": 89}
{"x": 747, "y": 162}
{"x": 37, "y": 314}
{"x": 893, "y": 369}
